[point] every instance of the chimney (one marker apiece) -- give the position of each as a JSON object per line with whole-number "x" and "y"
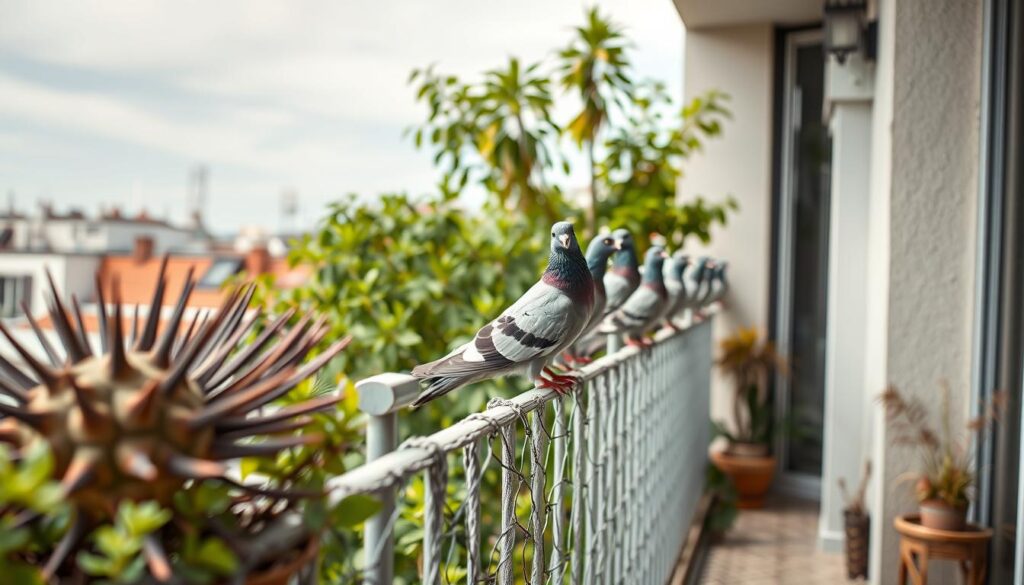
{"x": 257, "y": 260}
{"x": 142, "y": 249}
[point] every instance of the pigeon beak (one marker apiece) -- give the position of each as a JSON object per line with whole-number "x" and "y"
{"x": 564, "y": 238}
{"x": 618, "y": 244}
{"x": 664, "y": 254}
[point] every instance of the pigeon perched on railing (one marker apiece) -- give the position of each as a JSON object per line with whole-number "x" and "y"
{"x": 599, "y": 251}
{"x": 719, "y": 284}
{"x": 645, "y": 306}
{"x": 540, "y": 325}
{"x": 624, "y": 277}
{"x": 674, "y": 271}
{"x": 694, "y": 282}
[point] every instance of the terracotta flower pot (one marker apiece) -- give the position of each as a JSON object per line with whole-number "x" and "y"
{"x": 940, "y": 515}
{"x": 751, "y": 476}
{"x": 279, "y": 573}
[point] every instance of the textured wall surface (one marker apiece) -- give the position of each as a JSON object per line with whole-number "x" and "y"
{"x": 935, "y": 120}
{"x": 738, "y": 61}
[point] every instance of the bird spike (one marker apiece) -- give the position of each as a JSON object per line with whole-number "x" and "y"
{"x": 101, "y": 308}
{"x": 80, "y": 471}
{"x": 180, "y": 367}
{"x": 83, "y": 338}
{"x": 192, "y": 468}
{"x": 94, "y": 419}
{"x": 232, "y": 450}
{"x": 162, "y": 354}
{"x": 135, "y": 324}
{"x": 203, "y": 370}
{"x": 35, "y": 420}
{"x": 156, "y": 559}
{"x": 13, "y": 391}
{"x": 239, "y": 300}
{"x": 61, "y": 323}
{"x": 15, "y": 374}
{"x": 270, "y": 428}
{"x": 199, "y": 318}
{"x": 308, "y": 407}
{"x": 298, "y": 376}
{"x": 145, "y": 342}
{"x": 266, "y": 362}
{"x": 217, "y": 376}
{"x": 64, "y": 548}
{"x": 135, "y": 462}
{"x": 115, "y": 330}
{"x": 51, "y": 353}
{"x": 46, "y": 375}
{"x": 140, "y": 405}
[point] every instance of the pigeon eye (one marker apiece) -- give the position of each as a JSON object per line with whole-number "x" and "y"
{"x": 552, "y": 234}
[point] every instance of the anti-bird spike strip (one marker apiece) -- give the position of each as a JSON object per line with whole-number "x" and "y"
{"x": 137, "y": 421}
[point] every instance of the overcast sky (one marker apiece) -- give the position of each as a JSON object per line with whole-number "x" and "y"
{"x": 107, "y": 103}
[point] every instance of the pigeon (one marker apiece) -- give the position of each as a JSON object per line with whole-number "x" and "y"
{"x": 540, "y": 325}
{"x": 719, "y": 285}
{"x": 624, "y": 277}
{"x": 674, "y": 271}
{"x": 598, "y": 252}
{"x": 645, "y": 306}
{"x": 693, "y": 281}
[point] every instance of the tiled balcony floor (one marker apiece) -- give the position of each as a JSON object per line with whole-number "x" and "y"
{"x": 774, "y": 546}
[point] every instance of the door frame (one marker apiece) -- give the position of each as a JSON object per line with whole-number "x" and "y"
{"x": 804, "y": 485}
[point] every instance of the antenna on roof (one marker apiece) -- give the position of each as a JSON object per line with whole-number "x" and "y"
{"x": 289, "y": 210}
{"x": 198, "y": 191}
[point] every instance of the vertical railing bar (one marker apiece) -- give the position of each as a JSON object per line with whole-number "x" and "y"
{"x": 558, "y": 535}
{"x": 538, "y": 480}
{"x": 620, "y": 466}
{"x": 577, "y": 519}
{"x": 595, "y": 487}
{"x": 509, "y": 487}
{"x": 471, "y": 464}
{"x": 609, "y": 472}
{"x": 435, "y": 489}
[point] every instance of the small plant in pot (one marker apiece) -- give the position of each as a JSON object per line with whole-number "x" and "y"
{"x": 124, "y": 462}
{"x": 944, "y": 486}
{"x": 857, "y": 524}
{"x": 750, "y": 362}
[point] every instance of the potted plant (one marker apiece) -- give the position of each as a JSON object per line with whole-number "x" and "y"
{"x": 857, "y": 525}
{"x": 749, "y": 362}
{"x": 126, "y": 463}
{"x": 945, "y": 483}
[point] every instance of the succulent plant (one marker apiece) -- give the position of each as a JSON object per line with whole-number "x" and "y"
{"x": 157, "y": 409}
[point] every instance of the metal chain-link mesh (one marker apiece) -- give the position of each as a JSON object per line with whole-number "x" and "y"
{"x": 600, "y": 494}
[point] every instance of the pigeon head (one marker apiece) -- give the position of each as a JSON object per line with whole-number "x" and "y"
{"x": 702, "y": 266}
{"x": 600, "y": 249}
{"x": 563, "y": 238}
{"x": 678, "y": 265}
{"x": 654, "y": 264}
{"x": 626, "y": 255}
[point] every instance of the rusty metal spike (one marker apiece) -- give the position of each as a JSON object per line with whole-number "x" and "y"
{"x": 180, "y": 367}
{"x": 239, "y": 302}
{"x": 135, "y": 325}
{"x": 51, "y": 353}
{"x": 145, "y": 342}
{"x": 61, "y": 323}
{"x": 101, "y": 308}
{"x": 192, "y": 468}
{"x": 156, "y": 559}
{"x": 46, "y": 375}
{"x": 271, "y": 428}
{"x": 140, "y": 406}
{"x": 36, "y": 420}
{"x": 232, "y": 450}
{"x": 219, "y": 375}
{"x": 94, "y": 419}
{"x": 13, "y": 391}
{"x": 16, "y": 376}
{"x": 64, "y": 548}
{"x": 162, "y": 354}
{"x": 83, "y": 338}
{"x": 265, "y": 365}
{"x": 79, "y": 472}
{"x": 135, "y": 462}
{"x": 303, "y": 408}
{"x": 199, "y": 318}
{"x": 115, "y": 329}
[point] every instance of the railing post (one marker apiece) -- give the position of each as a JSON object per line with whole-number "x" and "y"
{"x": 613, "y": 343}
{"x": 381, "y": 397}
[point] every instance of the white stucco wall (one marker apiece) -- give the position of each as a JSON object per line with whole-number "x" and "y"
{"x": 935, "y": 121}
{"x": 738, "y": 61}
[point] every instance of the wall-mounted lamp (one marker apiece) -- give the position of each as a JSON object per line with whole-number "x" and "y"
{"x": 847, "y": 29}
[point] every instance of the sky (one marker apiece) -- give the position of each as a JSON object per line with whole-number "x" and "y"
{"x": 116, "y": 103}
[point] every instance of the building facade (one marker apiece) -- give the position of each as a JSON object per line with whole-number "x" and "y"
{"x": 877, "y": 238}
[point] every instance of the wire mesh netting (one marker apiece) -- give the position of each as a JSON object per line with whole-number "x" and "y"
{"x": 597, "y": 486}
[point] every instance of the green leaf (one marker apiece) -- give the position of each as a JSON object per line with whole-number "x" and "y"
{"x": 215, "y": 555}
{"x": 354, "y": 510}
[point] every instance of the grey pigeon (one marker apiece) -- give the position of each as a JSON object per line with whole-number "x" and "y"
{"x": 693, "y": 281}
{"x": 537, "y": 327}
{"x": 674, "y": 271}
{"x": 719, "y": 284}
{"x": 644, "y": 307}
{"x": 599, "y": 251}
{"x": 624, "y": 277}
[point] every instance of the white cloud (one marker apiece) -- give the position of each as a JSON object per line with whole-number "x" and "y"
{"x": 310, "y": 94}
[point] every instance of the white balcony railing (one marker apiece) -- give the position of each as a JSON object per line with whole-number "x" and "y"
{"x": 613, "y": 483}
